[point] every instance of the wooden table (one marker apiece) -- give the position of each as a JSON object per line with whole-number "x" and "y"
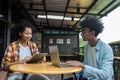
{"x": 43, "y": 68}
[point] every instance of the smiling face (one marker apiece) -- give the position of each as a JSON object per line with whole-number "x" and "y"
{"x": 87, "y": 34}
{"x": 26, "y": 34}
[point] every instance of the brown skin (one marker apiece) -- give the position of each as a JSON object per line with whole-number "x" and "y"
{"x": 25, "y": 37}
{"x": 89, "y": 36}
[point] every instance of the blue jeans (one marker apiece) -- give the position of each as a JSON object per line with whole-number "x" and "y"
{"x": 19, "y": 76}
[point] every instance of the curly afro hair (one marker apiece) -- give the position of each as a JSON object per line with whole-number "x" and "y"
{"x": 93, "y": 24}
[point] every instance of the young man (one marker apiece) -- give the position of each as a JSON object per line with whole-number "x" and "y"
{"x": 98, "y": 56}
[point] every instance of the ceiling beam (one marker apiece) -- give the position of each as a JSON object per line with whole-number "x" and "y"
{"x": 59, "y": 28}
{"x": 86, "y": 12}
{"x": 54, "y": 11}
{"x": 117, "y": 5}
{"x": 113, "y": 1}
{"x": 21, "y": 7}
{"x": 44, "y": 4}
{"x": 23, "y": 10}
{"x": 65, "y": 11}
{"x": 33, "y": 3}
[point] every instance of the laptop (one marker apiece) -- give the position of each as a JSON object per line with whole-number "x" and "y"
{"x": 54, "y": 55}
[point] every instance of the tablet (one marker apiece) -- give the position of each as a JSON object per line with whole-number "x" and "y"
{"x": 36, "y": 58}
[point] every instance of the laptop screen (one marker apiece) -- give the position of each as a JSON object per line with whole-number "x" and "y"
{"x": 54, "y": 55}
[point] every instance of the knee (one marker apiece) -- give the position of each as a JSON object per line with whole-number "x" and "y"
{"x": 37, "y": 77}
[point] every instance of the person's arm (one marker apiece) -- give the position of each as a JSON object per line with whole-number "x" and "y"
{"x": 8, "y": 60}
{"x": 105, "y": 66}
{"x": 7, "y": 65}
{"x": 75, "y": 64}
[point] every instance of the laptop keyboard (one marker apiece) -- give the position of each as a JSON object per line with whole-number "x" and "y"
{"x": 62, "y": 65}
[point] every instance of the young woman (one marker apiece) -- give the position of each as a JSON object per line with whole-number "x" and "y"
{"x": 20, "y": 51}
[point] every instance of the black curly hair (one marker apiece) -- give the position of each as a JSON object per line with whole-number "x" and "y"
{"x": 21, "y": 25}
{"x": 93, "y": 23}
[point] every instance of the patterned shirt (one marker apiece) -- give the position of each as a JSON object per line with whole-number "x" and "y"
{"x": 12, "y": 52}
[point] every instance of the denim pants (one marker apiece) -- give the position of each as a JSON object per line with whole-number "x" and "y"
{"x": 19, "y": 76}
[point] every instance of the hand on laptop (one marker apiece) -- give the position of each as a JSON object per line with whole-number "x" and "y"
{"x": 74, "y": 63}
